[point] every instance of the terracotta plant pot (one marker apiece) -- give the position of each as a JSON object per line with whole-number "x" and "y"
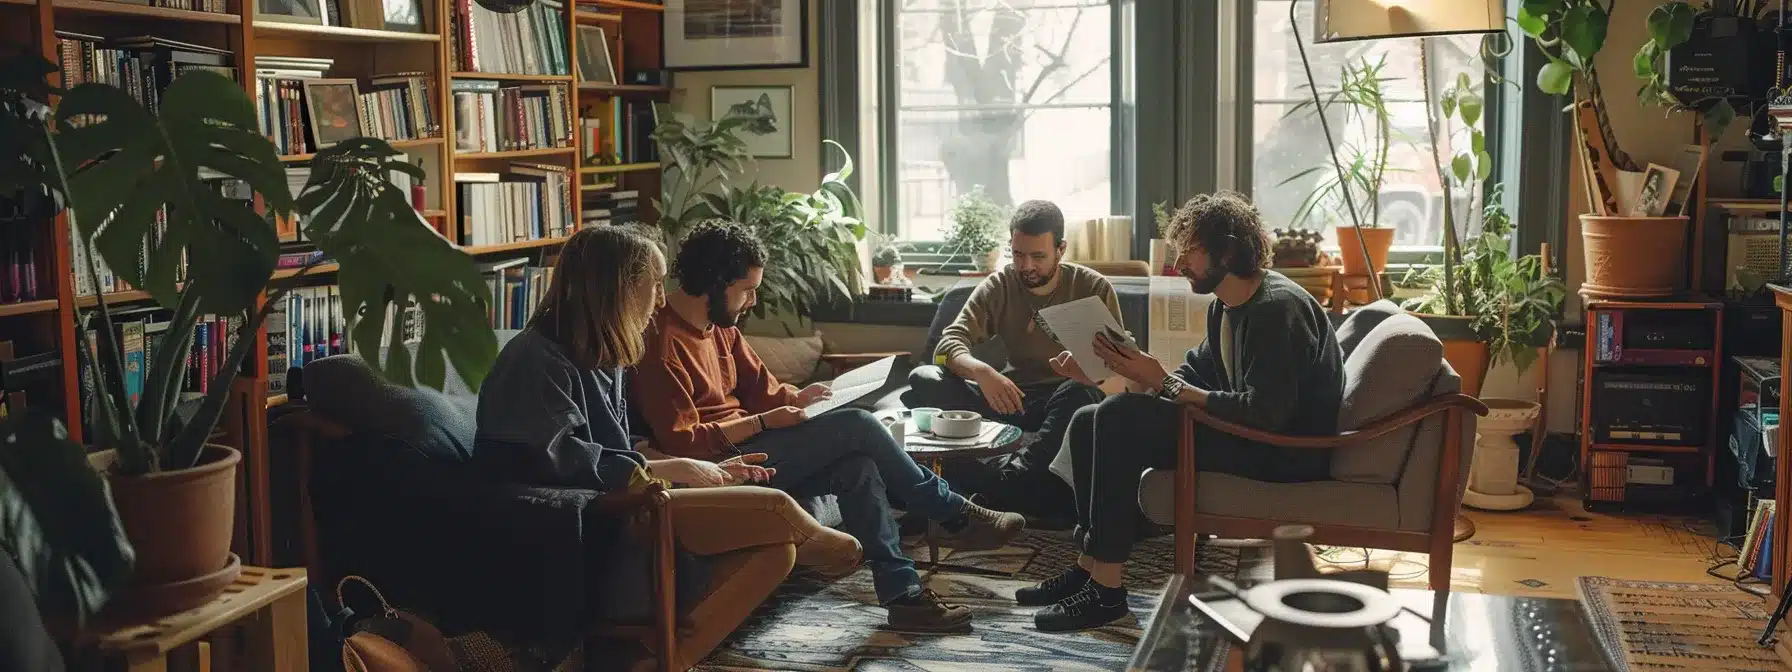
{"x": 1377, "y": 239}
{"x": 1633, "y": 257}
{"x": 1463, "y": 348}
{"x": 881, "y": 274}
{"x": 180, "y": 522}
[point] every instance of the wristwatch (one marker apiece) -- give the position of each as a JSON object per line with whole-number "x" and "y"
{"x": 1171, "y": 387}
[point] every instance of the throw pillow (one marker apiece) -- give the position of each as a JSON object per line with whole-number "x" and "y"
{"x": 440, "y": 426}
{"x": 1393, "y": 367}
{"x": 792, "y": 360}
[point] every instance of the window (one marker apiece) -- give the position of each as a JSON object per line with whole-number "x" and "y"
{"x": 1012, "y": 95}
{"x": 1288, "y": 142}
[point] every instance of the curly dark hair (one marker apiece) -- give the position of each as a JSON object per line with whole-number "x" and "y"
{"x": 1226, "y": 225}
{"x": 715, "y": 254}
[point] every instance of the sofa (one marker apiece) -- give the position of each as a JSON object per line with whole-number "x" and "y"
{"x": 389, "y": 497}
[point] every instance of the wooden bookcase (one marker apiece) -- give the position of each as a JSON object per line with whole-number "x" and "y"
{"x": 43, "y": 325}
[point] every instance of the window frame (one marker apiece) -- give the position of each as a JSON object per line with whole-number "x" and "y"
{"x": 1494, "y": 123}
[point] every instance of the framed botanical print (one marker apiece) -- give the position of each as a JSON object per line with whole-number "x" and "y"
{"x": 770, "y": 136}
{"x": 736, "y": 34}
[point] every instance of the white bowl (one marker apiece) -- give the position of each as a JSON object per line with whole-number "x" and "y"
{"x": 957, "y": 424}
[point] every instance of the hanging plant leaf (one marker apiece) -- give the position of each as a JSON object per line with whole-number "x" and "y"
{"x": 1555, "y": 77}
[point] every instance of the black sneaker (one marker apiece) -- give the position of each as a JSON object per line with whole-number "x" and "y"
{"x": 1092, "y": 607}
{"x": 926, "y": 612}
{"x": 1049, "y": 591}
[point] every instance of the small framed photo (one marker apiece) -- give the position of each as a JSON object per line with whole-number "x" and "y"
{"x": 735, "y": 34}
{"x": 333, "y": 106}
{"x": 1658, "y": 187}
{"x": 771, "y": 135}
{"x": 290, "y": 11}
{"x": 405, "y": 16}
{"x": 595, "y": 66}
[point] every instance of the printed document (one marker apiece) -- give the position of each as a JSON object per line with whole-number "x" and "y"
{"x": 853, "y": 385}
{"x": 1074, "y": 326}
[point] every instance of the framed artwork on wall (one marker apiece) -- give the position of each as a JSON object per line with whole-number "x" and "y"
{"x": 768, "y": 138}
{"x": 736, "y": 34}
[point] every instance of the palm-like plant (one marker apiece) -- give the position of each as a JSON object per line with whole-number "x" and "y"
{"x": 1362, "y": 94}
{"x": 118, "y": 167}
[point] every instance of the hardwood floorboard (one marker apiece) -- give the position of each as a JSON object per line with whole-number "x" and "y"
{"x": 1540, "y": 552}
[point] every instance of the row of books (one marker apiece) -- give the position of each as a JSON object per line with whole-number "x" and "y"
{"x": 142, "y": 66}
{"x": 20, "y": 261}
{"x": 529, "y": 42}
{"x": 529, "y": 201}
{"x": 517, "y": 289}
{"x": 213, "y": 6}
{"x": 143, "y": 332}
{"x": 309, "y": 325}
{"x": 108, "y": 280}
{"x": 602, "y": 208}
{"x": 295, "y": 99}
{"x": 620, "y": 131}
{"x": 491, "y": 117}
{"x": 1754, "y": 557}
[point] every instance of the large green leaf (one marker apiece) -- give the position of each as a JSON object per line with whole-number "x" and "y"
{"x": 1670, "y": 24}
{"x": 124, "y": 165}
{"x": 389, "y": 257}
{"x": 56, "y": 518}
{"x": 1583, "y": 30}
{"x": 1555, "y": 77}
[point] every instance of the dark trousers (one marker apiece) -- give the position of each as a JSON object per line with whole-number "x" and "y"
{"x": 849, "y": 454}
{"x": 1112, "y": 443}
{"x": 1019, "y": 481}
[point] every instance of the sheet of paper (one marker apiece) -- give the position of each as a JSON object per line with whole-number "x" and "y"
{"x": 853, "y": 385}
{"x": 1074, "y": 326}
{"x": 1178, "y": 319}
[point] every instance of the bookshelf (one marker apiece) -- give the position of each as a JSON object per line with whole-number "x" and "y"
{"x": 41, "y": 322}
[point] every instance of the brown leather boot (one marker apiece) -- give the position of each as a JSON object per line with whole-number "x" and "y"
{"x": 926, "y": 612}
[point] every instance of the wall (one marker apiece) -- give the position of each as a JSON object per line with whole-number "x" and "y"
{"x": 800, "y": 172}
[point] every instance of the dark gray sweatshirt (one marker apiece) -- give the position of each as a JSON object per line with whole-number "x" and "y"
{"x": 1286, "y": 373}
{"x": 543, "y": 420}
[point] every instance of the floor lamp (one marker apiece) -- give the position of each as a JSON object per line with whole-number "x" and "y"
{"x": 1354, "y": 20}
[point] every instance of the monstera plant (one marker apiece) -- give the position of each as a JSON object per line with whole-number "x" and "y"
{"x": 142, "y": 192}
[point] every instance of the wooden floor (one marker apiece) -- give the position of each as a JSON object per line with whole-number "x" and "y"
{"x": 1540, "y": 551}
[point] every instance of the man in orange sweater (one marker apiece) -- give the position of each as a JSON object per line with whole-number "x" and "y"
{"x": 706, "y": 395}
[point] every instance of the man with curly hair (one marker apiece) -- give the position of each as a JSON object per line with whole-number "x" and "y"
{"x": 706, "y": 395}
{"x": 1270, "y": 361}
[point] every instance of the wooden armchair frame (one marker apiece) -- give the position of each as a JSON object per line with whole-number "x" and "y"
{"x": 306, "y": 430}
{"x": 1437, "y": 538}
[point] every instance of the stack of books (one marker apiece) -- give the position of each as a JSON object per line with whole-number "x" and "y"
{"x": 610, "y": 207}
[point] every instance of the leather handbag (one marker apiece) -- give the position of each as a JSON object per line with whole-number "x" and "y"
{"x": 390, "y": 640}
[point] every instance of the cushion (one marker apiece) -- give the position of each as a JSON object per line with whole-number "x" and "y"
{"x": 1313, "y": 503}
{"x": 1393, "y": 367}
{"x": 440, "y": 426}
{"x": 1359, "y": 322}
{"x": 792, "y": 360}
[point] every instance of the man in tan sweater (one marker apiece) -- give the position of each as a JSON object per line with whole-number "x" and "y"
{"x": 1028, "y": 395}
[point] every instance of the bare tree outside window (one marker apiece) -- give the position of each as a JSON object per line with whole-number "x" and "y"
{"x": 1012, "y": 95}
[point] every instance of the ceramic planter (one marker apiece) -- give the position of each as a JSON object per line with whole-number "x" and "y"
{"x": 1633, "y": 257}
{"x": 1378, "y": 240}
{"x": 180, "y": 522}
{"x": 989, "y": 261}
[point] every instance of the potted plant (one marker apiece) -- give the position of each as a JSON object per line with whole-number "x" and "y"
{"x": 886, "y": 264}
{"x": 976, "y": 231}
{"x": 1365, "y": 160}
{"x": 117, "y": 165}
{"x": 1628, "y": 253}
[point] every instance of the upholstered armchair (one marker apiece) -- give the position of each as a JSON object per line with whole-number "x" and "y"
{"x": 1398, "y": 465}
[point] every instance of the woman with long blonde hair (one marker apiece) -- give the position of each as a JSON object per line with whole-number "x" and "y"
{"x": 554, "y": 412}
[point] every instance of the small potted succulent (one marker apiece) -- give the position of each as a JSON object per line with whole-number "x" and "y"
{"x": 886, "y": 264}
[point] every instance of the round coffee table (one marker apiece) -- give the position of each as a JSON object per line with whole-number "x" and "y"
{"x": 934, "y": 458}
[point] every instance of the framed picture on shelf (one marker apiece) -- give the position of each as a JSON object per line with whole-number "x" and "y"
{"x": 290, "y": 11}
{"x": 333, "y": 106}
{"x": 770, "y": 137}
{"x": 595, "y": 66}
{"x": 405, "y": 16}
{"x": 736, "y": 34}
{"x": 1658, "y": 185}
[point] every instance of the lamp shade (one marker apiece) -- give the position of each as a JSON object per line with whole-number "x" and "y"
{"x": 1346, "y": 20}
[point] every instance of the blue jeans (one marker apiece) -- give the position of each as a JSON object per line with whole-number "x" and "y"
{"x": 848, "y": 453}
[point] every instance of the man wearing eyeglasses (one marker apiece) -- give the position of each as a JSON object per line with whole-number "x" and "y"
{"x": 1029, "y": 395}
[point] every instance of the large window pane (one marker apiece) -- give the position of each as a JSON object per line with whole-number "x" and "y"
{"x": 1011, "y": 95}
{"x": 1289, "y": 142}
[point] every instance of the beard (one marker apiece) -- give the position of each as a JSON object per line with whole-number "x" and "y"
{"x": 1035, "y": 280}
{"x": 719, "y": 314}
{"x": 1206, "y": 283}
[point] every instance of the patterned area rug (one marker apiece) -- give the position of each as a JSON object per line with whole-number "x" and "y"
{"x": 810, "y": 625}
{"x": 1645, "y": 625}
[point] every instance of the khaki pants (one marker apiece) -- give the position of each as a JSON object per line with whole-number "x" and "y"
{"x": 753, "y": 536}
